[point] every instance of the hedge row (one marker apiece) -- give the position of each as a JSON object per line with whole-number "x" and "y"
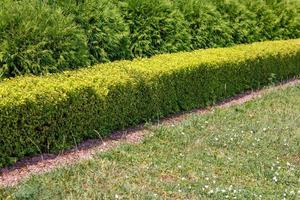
{"x": 41, "y": 36}
{"x": 54, "y": 112}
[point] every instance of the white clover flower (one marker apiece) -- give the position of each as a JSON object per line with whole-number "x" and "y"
{"x": 275, "y": 179}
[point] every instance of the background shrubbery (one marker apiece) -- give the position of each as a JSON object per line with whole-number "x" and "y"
{"x": 106, "y": 31}
{"x": 40, "y": 36}
{"x": 34, "y": 38}
{"x": 156, "y": 26}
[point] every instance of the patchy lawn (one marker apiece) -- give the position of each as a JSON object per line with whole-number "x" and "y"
{"x": 250, "y": 151}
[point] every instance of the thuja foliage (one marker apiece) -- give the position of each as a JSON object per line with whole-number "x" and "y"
{"x": 156, "y": 26}
{"x": 207, "y": 26}
{"x": 106, "y": 31}
{"x": 41, "y": 36}
{"x": 35, "y": 38}
{"x": 54, "y": 112}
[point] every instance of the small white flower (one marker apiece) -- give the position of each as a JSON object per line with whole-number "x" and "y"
{"x": 275, "y": 179}
{"x": 206, "y": 186}
{"x": 211, "y": 191}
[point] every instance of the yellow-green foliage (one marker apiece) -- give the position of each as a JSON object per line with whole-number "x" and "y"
{"x": 46, "y": 114}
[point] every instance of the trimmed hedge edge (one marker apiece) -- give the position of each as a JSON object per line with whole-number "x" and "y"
{"x": 54, "y": 112}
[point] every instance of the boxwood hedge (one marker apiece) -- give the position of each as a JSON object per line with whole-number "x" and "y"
{"x": 54, "y": 112}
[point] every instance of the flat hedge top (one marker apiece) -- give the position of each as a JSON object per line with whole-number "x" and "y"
{"x": 54, "y": 87}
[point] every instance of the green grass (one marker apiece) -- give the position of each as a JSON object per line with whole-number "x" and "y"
{"x": 250, "y": 151}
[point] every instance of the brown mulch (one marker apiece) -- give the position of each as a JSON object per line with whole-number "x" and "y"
{"x": 12, "y": 175}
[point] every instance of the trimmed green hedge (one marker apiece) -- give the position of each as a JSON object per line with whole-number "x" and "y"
{"x": 54, "y": 112}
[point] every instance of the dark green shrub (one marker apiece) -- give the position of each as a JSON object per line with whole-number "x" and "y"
{"x": 156, "y": 26}
{"x": 54, "y": 112}
{"x": 35, "y": 38}
{"x": 286, "y": 21}
{"x": 208, "y": 28}
{"x": 40, "y": 36}
{"x": 241, "y": 21}
{"x": 259, "y": 20}
{"x": 104, "y": 27}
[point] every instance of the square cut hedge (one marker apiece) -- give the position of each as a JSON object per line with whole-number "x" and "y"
{"x": 54, "y": 112}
